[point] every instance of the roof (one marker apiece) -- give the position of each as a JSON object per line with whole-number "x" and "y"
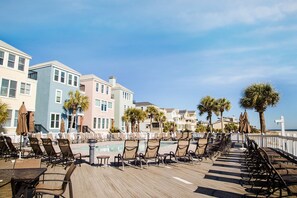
{"x": 93, "y": 77}
{"x": 121, "y": 87}
{"x": 182, "y": 111}
{"x": 12, "y": 49}
{"x": 138, "y": 104}
{"x": 54, "y": 63}
{"x": 169, "y": 109}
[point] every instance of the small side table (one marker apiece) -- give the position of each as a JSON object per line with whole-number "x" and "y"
{"x": 103, "y": 158}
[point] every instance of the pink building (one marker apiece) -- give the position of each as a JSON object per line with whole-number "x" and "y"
{"x": 100, "y": 115}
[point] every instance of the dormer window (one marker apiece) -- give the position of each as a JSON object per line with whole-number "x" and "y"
{"x": 1, "y": 57}
{"x": 21, "y": 65}
{"x": 69, "y": 79}
{"x": 11, "y": 60}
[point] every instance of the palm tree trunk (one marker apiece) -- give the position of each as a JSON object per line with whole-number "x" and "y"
{"x": 262, "y": 122}
{"x": 72, "y": 120}
{"x": 210, "y": 125}
{"x": 222, "y": 124}
{"x": 127, "y": 127}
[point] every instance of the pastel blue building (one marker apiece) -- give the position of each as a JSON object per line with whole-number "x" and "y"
{"x": 55, "y": 81}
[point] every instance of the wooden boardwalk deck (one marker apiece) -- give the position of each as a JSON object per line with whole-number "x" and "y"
{"x": 221, "y": 178}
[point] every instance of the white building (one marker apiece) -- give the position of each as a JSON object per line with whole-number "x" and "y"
{"x": 123, "y": 99}
{"x": 17, "y": 85}
{"x": 145, "y": 125}
{"x": 187, "y": 121}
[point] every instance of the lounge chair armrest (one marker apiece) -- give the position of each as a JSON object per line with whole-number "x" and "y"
{"x": 140, "y": 155}
{"x": 54, "y": 174}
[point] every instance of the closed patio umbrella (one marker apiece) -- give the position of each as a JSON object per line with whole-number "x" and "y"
{"x": 62, "y": 127}
{"x": 22, "y": 128}
{"x": 246, "y": 124}
{"x": 240, "y": 122}
{"x": 31, "y": 122}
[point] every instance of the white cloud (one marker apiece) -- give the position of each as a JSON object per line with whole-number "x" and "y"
{"x": 252, "y": 74}
{"x": 264, "y": 31}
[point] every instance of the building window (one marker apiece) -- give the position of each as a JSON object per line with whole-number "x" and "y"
{"x": 107, "y": 123}
{"x": 97, "y": 87}
{"x": 8, "y": 120}
{"x": 102, "y": 88}
{"x": 69, "y": 79}
{"x": 25, "y": 88}
{"x": 16, "y": 114}
{"x": 56, "y": 75}
{"x": 8, "y": 87}
{"x": 75, "y": 81}
{"x": 11, "y": 60}
{"x": 58, "y": 96}
{"x": 62, "y": 79}
{"x": 103, "y": 105}
{"x": 1, "y": 57}
{"x": 99, "y": 123}
{"x": 12, "y": 89}
{"x": 55, "y": 121}
{"x": 107, "y": 90}
{"x": 94, "y": 123}
{"x": 4, "y": 87}
{"x": 97, "y": 103}
{"x": 109, "y": 105}
{"x": 21, "y": 64}
{"x": 103, "y": 123}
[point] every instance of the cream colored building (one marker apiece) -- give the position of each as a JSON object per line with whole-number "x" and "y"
{"x": 226, "y": 120}
{"x": 123, "y": 99}
{"x": 17, "y": 85}
{"x": 145, "y": 125}
{"x": 187, "y": 120}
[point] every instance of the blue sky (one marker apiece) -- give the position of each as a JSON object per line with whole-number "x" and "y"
{"x": 170, "y": 53}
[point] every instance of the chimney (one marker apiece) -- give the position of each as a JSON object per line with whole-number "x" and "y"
{"x": 112, "y": 81}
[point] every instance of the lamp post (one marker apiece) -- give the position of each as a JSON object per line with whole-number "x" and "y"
{"x": 283, "y": 132}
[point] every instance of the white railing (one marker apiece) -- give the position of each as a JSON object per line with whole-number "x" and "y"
{"x": 287, "y": 144}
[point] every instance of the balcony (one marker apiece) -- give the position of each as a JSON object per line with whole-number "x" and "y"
{"x": 32, "y": 75}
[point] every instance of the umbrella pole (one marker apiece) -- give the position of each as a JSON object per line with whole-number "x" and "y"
{"x": 20, "y": 153}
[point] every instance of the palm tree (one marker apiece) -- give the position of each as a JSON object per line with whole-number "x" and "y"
{"x": 160, "y": 118}
{"x": 76, "y": 100}
{"x": 131, "y": 115}
{"x": 125, "y": 119}
{"x": 151, "y": 112}
{"x": 221, "y": 105}
{"x": 140, "y": 117}
{"x": 3, "y": 112}
{"x": 207, "y": 105}
{"x": 259, "y": 97}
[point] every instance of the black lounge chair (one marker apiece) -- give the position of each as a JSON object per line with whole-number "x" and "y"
{"x": 181, "y": 151}
{"x": 151, "y": 152}
{"x": 35, "y": 145}
{"x": 129, "y": 152}
{"x": 50, "y": 187}
{"x": 67, "y": 153}
{"x": 200, "y": 150}
{"x": 53, "y": 156}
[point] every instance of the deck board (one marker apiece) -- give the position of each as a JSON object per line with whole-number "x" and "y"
{"x": 222, "y": 179}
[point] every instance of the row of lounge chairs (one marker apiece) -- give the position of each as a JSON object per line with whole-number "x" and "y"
{"x": 66, "y": 155}
{"x": 8, "y": 149}
{"x": 204, "y": 149}
{"x": 270, "y": 172}
{"x": 161, "y": 136}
